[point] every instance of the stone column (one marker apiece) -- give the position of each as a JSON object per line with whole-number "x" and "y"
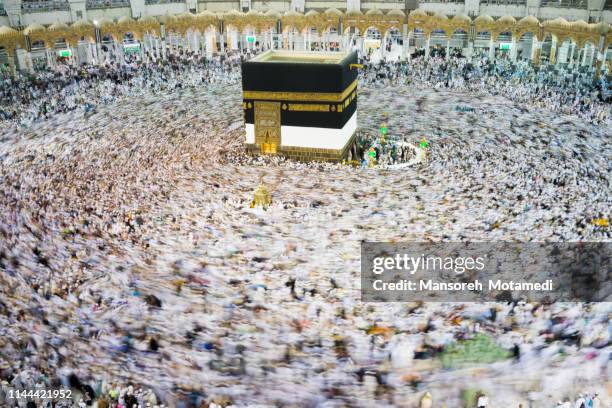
{"x": 535, "y": 51}
{"x": 553, "y": 52}
{"x": 584, "y": 54}
{"x": 86, "y": 52}
{"x": 49, "y": 58}
{"x": 186, "y": 41}
{"x": 408, "y": 55}
{"x": 152, "y": 47}
{"x": 593, "y": 55}
{"x": 471, "y": 34}
{"x": 492, "y": 48}
{"x": 602, "y": 64}
{"x": 427, "y": 45}
{"x": 22, "y": 60}
{"x": 75, "y": 54}
{"x": 571, "y": 55}
{"x": 98, "y": 46}
{"x": 448, "y": 48}
{"x": 513, "y": 50}
{"x": 405, "y": 41}
{"x": 362, "y": 45}
{"x": 11, "y": 62}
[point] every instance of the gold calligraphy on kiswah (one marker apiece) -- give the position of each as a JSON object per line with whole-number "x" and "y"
{"x": 307, "y": 107}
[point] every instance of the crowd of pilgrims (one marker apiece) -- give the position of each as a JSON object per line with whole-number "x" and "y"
{"x": 35, "y": 96}
{"x": 30, "y": 98}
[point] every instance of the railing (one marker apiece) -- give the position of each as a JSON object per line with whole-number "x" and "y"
{"x": 42, "y": 6}
{"x": 581, "y": 4}
{"x": 444, "y": 1}
{"x": 103, "y": 4}
{"x": 505, "y": 2}
{"x": 149, "y": 2}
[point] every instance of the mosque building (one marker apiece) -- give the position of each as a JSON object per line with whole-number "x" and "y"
{"x": 573, "y": 33}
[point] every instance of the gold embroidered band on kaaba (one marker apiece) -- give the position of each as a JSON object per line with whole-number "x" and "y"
{"x": 301, "y": 96}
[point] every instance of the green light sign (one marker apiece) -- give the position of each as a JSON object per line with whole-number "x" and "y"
{"x": 131, "y": 48}
{"x": 504, "y": 46}
{"x": 250, "y": 38}
{"x": 64, "y": 53}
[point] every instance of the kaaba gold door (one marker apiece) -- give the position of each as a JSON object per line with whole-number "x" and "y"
{"x": 267, "y": 126}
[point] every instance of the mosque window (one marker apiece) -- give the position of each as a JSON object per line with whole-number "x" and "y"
{"x": 565, "y": 3}
{"x": 41, "y": 6}
{"x": 102, "y": 4}
{"x": 163, "y": 1}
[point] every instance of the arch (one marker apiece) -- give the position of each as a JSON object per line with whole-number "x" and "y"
{"x": 232, "y": 17}
{"x": 396, "y": 13}
{"x": 35, "y": 31}
{"x": 389, "y": 28}
{"x": 460, "y": 21}
{"x": 503, "y": 26}
{"x": 11, "y": 39}
{"x": 293, "y": 18}
{"x": 374, "y": 12}
{"x": 5, "y": 30}
{"x": 484, "y": 23}
{"x": 270, "y": 19}
{"x": 333, "y": 12}
{"x": 528, "y": 24}
{"x": 58, "y": 26}
{"x": 149, "y": 25}
{"x": 181, "y": 23}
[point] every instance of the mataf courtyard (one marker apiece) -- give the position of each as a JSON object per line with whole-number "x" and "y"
{"x": 134, "y": 267}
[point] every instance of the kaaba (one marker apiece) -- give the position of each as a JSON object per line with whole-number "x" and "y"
{"x": 301, "y": 105}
